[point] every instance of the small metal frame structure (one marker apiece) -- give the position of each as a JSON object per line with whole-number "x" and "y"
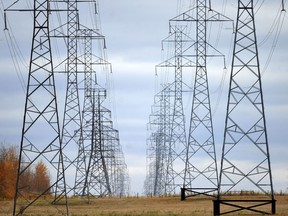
{"x": 240, "y": 205}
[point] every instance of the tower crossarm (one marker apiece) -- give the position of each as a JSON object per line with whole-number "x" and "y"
{"x": 211, "y": 16}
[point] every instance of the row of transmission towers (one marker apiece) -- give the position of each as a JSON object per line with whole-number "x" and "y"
{"x": 177, "y": 142}
{"x": 83, "y": 155}
{"x": 181, "y": 156}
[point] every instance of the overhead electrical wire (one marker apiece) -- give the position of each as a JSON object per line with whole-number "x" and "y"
{"x": 275, "y": 29}
{"x": 219, "y": 89}
{"x": 257, "y": 8}
{"x": 95, "y": 17}
{"x": 57, "y": 23}
{"x": 30, "y": 5}
{"x": 278, "y": 29}
{"x": 14, "y": 49}
{"x": 15, "y": 61}
{"x": 179, "y": 7}
{"x": 271, "y": 29}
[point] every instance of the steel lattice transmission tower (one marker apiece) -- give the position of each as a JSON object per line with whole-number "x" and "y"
{"x": 200, "y": 177}
{"x": 245, "y": 136}
{"x": 40, "y": 141}
{"x": 157, "y": 152}
{"x": 92, "y": 177}
{"x": 71, "y": 133}
{"x": 71, "y": 128}
{"x": 112, "y": 155}
{"x": 166, "y": 154}
{"x": 177, "y": 141}
{"x": 98, "y": 162}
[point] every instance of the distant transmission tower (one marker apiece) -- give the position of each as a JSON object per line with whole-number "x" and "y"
{"x": 245, "y": 162}
{"x": 158, "y": 143}
{"x": 100, "y": 166}
{"x": 92, "y": 153}
{"x": 200, "y": 174}
{"x": 92, "y": 178}
{"x": 71, "y": 128}
{"x": 166, "y": 153}
{"x": 40, "y": 141}
{"x": 177, "y": 141}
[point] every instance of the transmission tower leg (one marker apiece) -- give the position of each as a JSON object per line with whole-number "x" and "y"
{"x": 40, "y": 141}
{"x": 245, "y": 135}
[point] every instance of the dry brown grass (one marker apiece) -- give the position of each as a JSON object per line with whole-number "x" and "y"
{"x": 156, "y": 206}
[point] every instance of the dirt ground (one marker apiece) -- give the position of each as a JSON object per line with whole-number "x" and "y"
{"x": 155, "y": 206}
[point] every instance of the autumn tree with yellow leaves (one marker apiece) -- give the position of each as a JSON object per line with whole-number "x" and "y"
{"x": 8, "y": 171}
{"x": 37, "y": 179}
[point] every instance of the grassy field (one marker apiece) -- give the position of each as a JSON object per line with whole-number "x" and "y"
{"x": 156, "y": 206}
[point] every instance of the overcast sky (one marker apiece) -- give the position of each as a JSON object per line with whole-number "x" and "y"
{"x": 134, "y": 30}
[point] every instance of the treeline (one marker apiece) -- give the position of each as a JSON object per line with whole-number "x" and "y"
{"x": 34, "y": 180}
